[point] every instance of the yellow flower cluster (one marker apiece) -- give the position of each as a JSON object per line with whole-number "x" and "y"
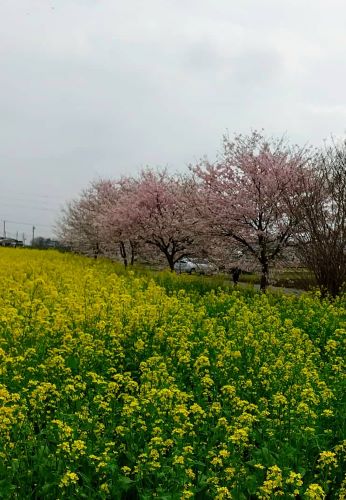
{"x": 114, "y": 385}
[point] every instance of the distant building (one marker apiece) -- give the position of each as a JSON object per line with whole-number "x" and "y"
{"x": 10, "y": 242}
{"x": 45, "y": 243}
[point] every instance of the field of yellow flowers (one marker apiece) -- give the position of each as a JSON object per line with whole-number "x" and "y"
{"x": 112, "y": 386}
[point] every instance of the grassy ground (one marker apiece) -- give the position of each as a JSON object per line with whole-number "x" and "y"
{"x": 299, "y": 278}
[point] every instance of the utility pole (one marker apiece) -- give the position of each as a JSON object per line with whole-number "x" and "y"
{"x": 33, "y": 235}
{"x": 23, "y": 240}
{"x": 4, "y": 229}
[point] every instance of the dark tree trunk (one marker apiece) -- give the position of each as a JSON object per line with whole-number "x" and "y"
{"x": 133, "y": 253}
{"x": 123, "y": 253}
{"x": 170, "y": 260}
{"x": 168, "y": 252}
{"x": 264, "y": 263}
{"x": 329, "y": 279}
{"x": 96, "y": 251}
{"x": 264, "y": 275}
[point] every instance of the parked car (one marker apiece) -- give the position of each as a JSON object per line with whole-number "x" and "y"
{"x": 193, "y": 265}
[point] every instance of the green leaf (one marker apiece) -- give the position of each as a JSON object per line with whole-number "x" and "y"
{"x": 125, "y": 482}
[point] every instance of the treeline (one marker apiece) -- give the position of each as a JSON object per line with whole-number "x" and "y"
{"x": 262, "y": 203}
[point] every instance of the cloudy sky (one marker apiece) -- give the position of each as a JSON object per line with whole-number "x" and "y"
{"x": 94, "y": 88}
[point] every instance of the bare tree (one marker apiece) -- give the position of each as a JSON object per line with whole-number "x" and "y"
{"x": 321, "y": 239}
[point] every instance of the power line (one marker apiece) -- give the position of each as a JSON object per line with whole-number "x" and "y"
{"x": 26, "y": 223}
{"x": 36, "y": 195}
{"x": 18, "y": 199}
{"x": 28, "y": 207}
{"x": 10, "y": 234}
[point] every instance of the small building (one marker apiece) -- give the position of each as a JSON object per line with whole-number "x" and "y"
{"x": 10, "y": 242}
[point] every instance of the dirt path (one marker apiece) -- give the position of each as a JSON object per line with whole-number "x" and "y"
{"x": 290, "y": 291}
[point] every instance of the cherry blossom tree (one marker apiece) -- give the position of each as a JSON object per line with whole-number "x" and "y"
{"x": 158, "y": 209}
{"x": 245, "y": 196}
{"x": 89, "y": 224}
{"x": 78, "y": 226}
{"x": 117, "y": 229}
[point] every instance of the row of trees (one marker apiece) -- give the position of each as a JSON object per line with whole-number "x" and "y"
{"x": 263, "y": 201}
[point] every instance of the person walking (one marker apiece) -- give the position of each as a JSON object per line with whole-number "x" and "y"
{"x": 236, "y": 271}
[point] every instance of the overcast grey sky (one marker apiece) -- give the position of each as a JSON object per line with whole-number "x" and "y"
{"x": 94, "y": 88}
